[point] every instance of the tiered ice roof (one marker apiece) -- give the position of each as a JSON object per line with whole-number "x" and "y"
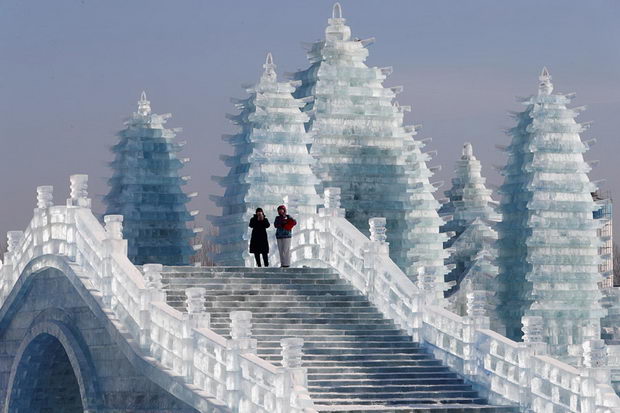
{"x": 548, "y": 241}
{"x": 468, "y": 200}
{"x": 362, "y": 147}
{"x": 146, "y": 189}
{"x": 270, "y": 161}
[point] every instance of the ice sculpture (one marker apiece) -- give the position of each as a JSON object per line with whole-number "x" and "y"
{"x": 270, "y": 162}
{"x": 468, "y": 200}
{"x": 362, "y": 147}
{"x": 146, "y": 189}
{"x": 548, "y": 240}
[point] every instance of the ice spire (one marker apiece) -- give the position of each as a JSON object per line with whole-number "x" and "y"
{"x": 144, "y": 106}
{"x": 548, "y": 240}
{"x": 270, "y": 69}
{"x": 362, "y": 147}
{"x": 147, "y": 190}
{"x": 270, "y": 162}
{"x": 545, "y": 87}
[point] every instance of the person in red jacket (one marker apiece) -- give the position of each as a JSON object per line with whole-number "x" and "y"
{"x": 284, "y": 231}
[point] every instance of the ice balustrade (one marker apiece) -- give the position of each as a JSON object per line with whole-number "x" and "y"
{"x": 182, "y": 343}
{"x": 502, "y": 370}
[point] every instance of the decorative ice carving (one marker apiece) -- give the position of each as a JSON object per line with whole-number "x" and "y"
{"x": 270, "y": 162}
{"x": 548, "y": 241}
{"x": 147, "y": 190}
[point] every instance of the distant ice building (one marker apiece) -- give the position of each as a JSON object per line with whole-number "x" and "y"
{"x": 362, "y": 147}
{"x": 270, "y": 163}
{"x": 604, "y": 214}
{"x": 146, "y": 188}
{"x": 468, "y": 200}
{"x": 549, "y": 246}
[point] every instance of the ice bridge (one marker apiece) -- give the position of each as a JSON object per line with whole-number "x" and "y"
{"x": 84, "y": 330}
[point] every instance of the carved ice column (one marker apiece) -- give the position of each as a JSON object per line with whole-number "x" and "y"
{"x": 41, "y": 233}
{"x": 294, "y": 375}
{"x": 9, "y": 269}
{"x": 533, "y": 334}
{"x": 79, "y": 191}
{"x": 476, "y": 319}
{"x": 331, "y": 203}
{"x": 595, "y": 369}
{"x": 152, "y": 293}
{"x": 241, "y": 342}
{"x": 113, "y": 244}
{"x": 377, "y": 248}
{"x": 196, "y": 317}
{"x": 78, "y": 199}
{"x": 533, "y": 345}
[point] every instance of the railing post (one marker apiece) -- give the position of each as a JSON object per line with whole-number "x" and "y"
{"x": 476, "y": 319}
{"x": 533, "y": 345}
{"x": 241, "y": 342}
{"x": 79, "y": 191}
{"x": 376, "y": 248}
{"x": 45, "y": 199}
{"x": 294, "y": 377}
{"x": 331, "y": 203}
{"x": 13, "y": 238}
{"x": 113, "y": 244}
{"x": 595, "y": 371}
{"x": 152, "y": 293}
{"x": 78, "y": 199}
{"x": 196, "y": 317}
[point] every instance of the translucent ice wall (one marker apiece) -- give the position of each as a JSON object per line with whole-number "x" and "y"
{"x": 548, "y": 240}
{"x": 146, "y": 188}
{"x": 468, "y": 199}
{"x": 363, "y": 148}
{"x": 270, "y": 162}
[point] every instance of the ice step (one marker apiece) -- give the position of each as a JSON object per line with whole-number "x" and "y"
{"x": 434, "y": 408}
{"x": 356, "y": 359}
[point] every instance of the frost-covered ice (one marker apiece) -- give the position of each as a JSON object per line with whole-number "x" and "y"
{"x": 146, "y": 189}
{"x": 270, "y": 162}
{"x": 548, "y": 240}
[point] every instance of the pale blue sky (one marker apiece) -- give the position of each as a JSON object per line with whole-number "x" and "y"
{"x": 71, "y": 71}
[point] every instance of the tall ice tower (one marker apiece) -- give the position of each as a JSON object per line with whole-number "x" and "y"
{"x": 548, "y": 237}
{"x": 362, "y": 147}
{"x": 146, "y": 189}
{"x": 270, "y": 162}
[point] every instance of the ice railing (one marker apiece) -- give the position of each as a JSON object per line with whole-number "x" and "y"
{"x": 217, "y": 369}
{"x": 502, "y": 370}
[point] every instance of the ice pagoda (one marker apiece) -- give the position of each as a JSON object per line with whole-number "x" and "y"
{"x": 363, "y": 148}
{"x": 146, "y": 189}
{"x": 474, "y": 257}
{"x": 468, "y": 200}
{"x": 548, "y": 239}
{"x": 270, "y": 163}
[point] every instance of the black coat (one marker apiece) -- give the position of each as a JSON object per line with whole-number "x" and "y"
{"x": 258, "y": 242}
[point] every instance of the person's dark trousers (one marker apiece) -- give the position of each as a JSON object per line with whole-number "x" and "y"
{"x": 265, "y": 259}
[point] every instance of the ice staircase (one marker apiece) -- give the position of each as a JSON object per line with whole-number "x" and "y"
{"x": 357, "y": 360}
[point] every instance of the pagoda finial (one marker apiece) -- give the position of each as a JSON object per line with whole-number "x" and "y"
{"x": 468, "y": 151}
{"x": 144, "y": 106}
{"x": 270, "y": 69}
{"x": 545, "y": 87}
{"x": 337, "y": 11}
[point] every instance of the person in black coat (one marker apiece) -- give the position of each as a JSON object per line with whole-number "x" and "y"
{"x": 259, "y": 245}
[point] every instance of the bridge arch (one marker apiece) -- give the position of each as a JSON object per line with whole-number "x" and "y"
{"x": 51, "y": 370}
{"x": 52, "y": 310}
